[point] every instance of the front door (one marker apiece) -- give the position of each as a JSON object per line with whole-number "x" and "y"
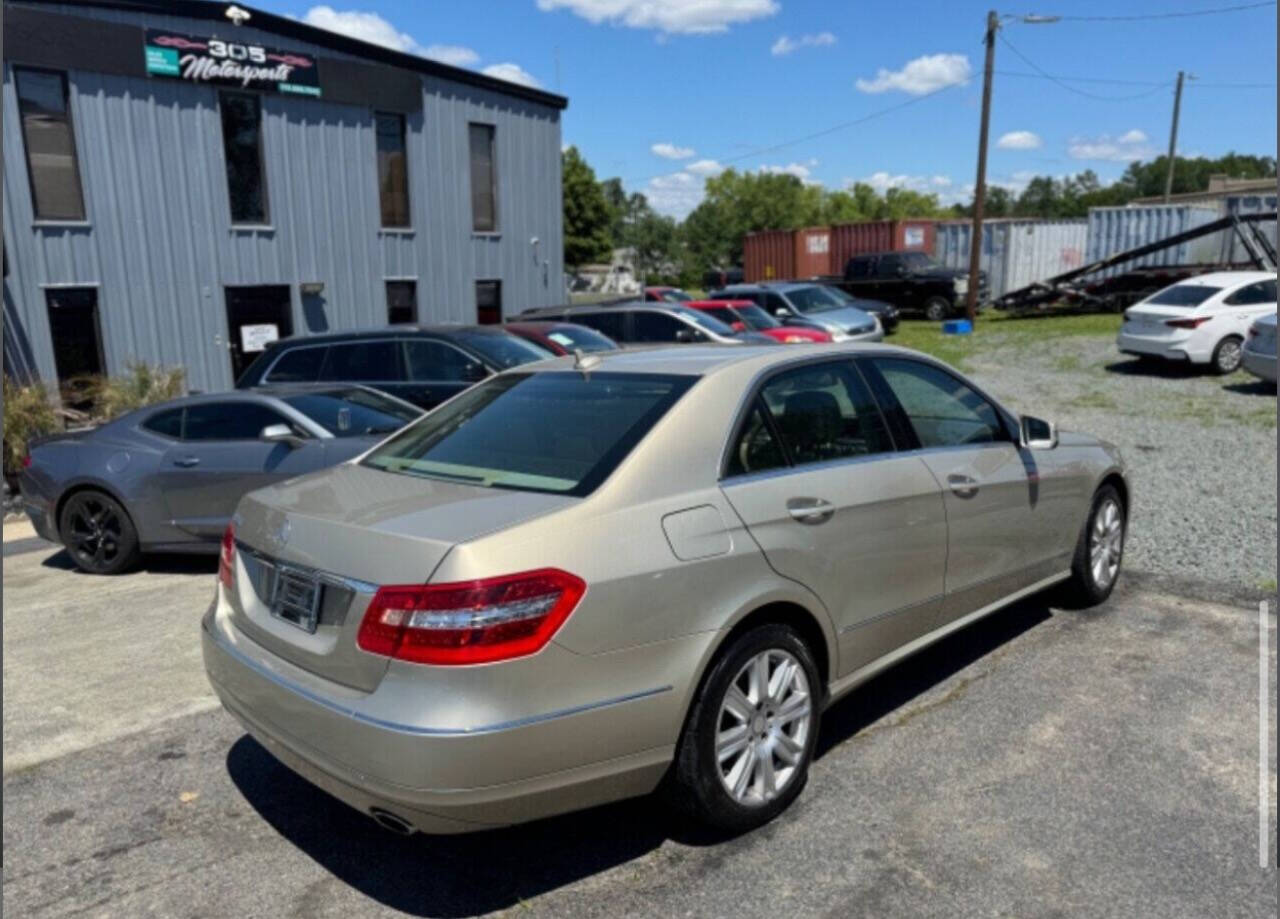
{"x": 1002, "y": 531}
{"x": 76, "y": 335}
{"x": 814, "y": 476}
{"x": 256, "y": 316}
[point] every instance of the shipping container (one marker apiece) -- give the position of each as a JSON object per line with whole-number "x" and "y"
{"x": 813, "y": 252}
{"x": 768, "y": 256}
{"x": 1116, "y": 229}
{"x": 1015, "y": 252}
{"x": 1233, "y": 251}
{"x": 850, "y": 239}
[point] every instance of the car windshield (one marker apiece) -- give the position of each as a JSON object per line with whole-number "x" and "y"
{"x": 1183, "y": 295}
{"x": 918, "y": 261}
{"x": 705, "y": 321}
{"x": 561, "y": 432}
{"x": 579, "y": 337}
{"x": 502, "y": 350}
{"x": 756, "y": 318}
{"x": 815, "y": 299}
{"x": 353, "y": 412}
{"x": 674, "y": 295}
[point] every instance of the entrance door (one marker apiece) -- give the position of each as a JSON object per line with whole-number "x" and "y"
{"x": 256, "y": 316}
{"x": 76, "y": 336}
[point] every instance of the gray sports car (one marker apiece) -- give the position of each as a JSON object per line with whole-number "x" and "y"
{"x": 167, "y": 477}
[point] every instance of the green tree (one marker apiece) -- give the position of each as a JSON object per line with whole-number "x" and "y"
{"x": 587, "y": 216}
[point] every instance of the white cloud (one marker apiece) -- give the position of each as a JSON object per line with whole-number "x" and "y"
{"x": 512, "y": 73}
{"x": 940, "y": 181}
{"x": 799, "y": 170}
{"x": 455, "y": 55}
{"x": 922, "y": 75}
{"x": 785, "y": 44}
{"x": 671, "y": 151}
{"x": 364, "y": 26}
{"x": 704, "y": 168}
{"x": 676, "y": 194}
{"x": 1129, "y": 146}
{"x": 691, "y": 17}
{"x": 1019, "y": 140}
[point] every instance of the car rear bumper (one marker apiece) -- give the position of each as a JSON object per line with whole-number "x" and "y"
{"x": 39, "y": 509}
{"x": 1173, "y": 349}
{"x": 1259, "y": 364}
{"x": 448, "y": 779}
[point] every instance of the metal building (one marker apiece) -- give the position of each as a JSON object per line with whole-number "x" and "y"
{"x": 185, "y": 181}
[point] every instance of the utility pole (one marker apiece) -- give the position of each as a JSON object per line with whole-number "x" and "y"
{"x": 980, "y": 189}
{"x": 1173, "y": 138}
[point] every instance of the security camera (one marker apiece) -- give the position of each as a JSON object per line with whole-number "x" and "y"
{"x": 237, "y": 15}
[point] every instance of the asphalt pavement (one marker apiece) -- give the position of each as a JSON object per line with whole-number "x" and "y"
{"x": 1039, "y": 763}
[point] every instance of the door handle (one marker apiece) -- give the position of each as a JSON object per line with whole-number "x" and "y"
{"x": 810, "y": 510}
{"x": 186, "y": 462}
{"x": 963, "y": 486}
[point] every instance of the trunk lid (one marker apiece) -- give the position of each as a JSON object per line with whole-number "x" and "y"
{"x": 320, "y": 545}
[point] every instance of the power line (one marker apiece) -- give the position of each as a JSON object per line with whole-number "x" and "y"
{"x": 1107, "y": 81}
{"x": 1171, "y": 15}
{"x": 1071, "y": 89}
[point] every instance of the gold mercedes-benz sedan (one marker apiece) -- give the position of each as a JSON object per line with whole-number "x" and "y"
{"x": 591, "y": 577}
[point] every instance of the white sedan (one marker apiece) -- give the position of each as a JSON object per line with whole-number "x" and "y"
{"x": 1203, "y": 319}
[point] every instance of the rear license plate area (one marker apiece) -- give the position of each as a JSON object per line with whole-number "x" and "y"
{"x": 295, "y": 598}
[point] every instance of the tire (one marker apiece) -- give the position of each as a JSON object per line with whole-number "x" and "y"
{"x": 1095, "y": 568}
{"x": 699, "y": 785}
{"x": 936, "y": 309}
{"x": 1228, "y": 355}
{"x": 98, "y": 533}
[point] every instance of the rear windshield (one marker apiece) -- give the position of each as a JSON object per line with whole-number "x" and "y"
{"x": 570, "y": 337}
{"x": 561, "y": 432}
{"x": 1183, "y": 295}
{"x": 353, "y": 412}
{"x": 502, "y": 350}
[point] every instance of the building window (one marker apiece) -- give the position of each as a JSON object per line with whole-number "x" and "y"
{"x": 242, "y": 146}
{"x": 77, "y": 340}
{"x": 489, "y": 302}
{"x": 484, "y": 180}
{"x": 393, "y": 170}
{"x": 402, "y": 302}
{"x": 50, "y": 144}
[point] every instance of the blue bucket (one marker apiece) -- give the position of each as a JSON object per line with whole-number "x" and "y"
{"x": 957, "y": 327}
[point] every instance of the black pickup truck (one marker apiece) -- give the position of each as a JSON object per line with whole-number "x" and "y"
{"x": 911, "y": 281}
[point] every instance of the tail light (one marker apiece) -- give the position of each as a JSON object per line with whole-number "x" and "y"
{"x": 26, "y": 461}
{"x": 1187, "y": 323}
{"x": 227, "y": 556}
{"x": 470, "y": 622}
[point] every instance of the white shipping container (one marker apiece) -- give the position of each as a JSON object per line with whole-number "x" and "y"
{"x": 1113, "y": 230}
{"x": 1015, "y": 252}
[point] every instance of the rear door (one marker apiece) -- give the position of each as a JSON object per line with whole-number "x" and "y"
{"x": 813, "y": 473}
{"x": 1243, "y": 306}
{"x": 1003, "y": 528}
{"x": 374, "y": 362}
{"x": 220, "y": 458}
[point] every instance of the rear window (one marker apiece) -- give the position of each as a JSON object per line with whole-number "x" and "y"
{"x": 551, "y": 432}
{"x": 353, "y": 412}
{"x": 502, "y": 350}
{"x": 1183, "y": 295}
{"x": 580, "y": 337}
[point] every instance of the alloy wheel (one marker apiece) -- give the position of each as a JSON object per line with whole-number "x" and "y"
{"x": 1229, "y": 356}
{"x": 1106, "y": 543}
{"x": 762, "y": 732}
{"x": 94, "y": 531}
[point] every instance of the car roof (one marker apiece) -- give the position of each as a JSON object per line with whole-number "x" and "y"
{"x": 717, "y": 301}
{"x": 392, "y": 330}
{"x": 706, "y": 360}
{"x": 1229, "y": 278}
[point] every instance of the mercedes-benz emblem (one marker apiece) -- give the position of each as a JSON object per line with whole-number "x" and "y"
{"x": 281, "y": 536}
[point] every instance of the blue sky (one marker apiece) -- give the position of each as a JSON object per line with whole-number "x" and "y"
{"x": 666, "y": 92}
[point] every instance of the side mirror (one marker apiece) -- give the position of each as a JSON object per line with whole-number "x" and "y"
{"x": 280, "y": 434}
{"x": 474, "y": 372}
{"x": 1036, "y": 434}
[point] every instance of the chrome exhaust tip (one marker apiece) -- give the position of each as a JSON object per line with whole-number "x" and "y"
{"x": 389, "y": 821}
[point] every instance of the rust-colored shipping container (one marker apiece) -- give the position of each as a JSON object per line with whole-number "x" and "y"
{"x": 768, "y": 256}
{"x": 813, "y": 252}
{"x": 850, "y": 239}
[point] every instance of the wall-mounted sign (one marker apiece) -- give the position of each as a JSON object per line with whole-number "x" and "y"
{"x": 228, "y": 63}
{"x": 913, "y": 238}
{"x": 257, "y": 337}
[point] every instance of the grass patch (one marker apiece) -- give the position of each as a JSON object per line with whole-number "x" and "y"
{"x": 1268, "y": 585}
{"x": 1094, "y": 399}
{"x": 998, "y": 330}
{"x": 1068, "y": 363}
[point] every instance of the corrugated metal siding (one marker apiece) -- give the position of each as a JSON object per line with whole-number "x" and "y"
{"x": 850, "y": 239}
{"x": 1233, "y": 251}
{"x": 813, "y": 252}
{"x": 952, "y": 245}
{"x": 159, "y": 245}
{"x": 768, "y": 256}
{"x": 1040, "y": 249}
{"x": 1116, "y": 229}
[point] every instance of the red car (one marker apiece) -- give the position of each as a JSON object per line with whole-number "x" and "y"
{"x": 666, "y": 295}
{"x": 561, "y": 337}
{"x": 743, "y": 315}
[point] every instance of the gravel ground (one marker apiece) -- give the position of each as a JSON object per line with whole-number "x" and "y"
{"x": 1201, "y": 449}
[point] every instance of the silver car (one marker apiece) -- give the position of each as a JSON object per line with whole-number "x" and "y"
{"x": 166, "y": 478}
{"x": 1259, "y": 353}
{"x": 589, "y": 577}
